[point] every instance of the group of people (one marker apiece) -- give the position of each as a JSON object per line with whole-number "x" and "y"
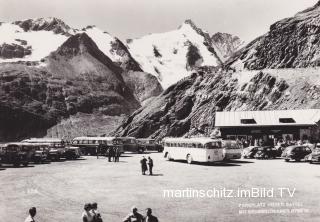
{"x": 145, "y": 163}
{"x": 113, "y": 153}
{"x": 137, "y": 217}
{"x": 91, "y": 213}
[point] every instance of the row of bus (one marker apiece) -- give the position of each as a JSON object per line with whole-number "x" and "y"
{"x": 92, "y": 145}
{"x": 36, "y": 150}
{"x": 39, "y": 150}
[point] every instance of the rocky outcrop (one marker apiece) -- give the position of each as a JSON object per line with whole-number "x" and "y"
{"x": 8, "y": 51}
{"x": 189, "y": 107}
{"x": 143, "y": 85}
{"x": 226, "y": 44}
{"x": 45, "y": 24}
{"x": 290, "y": 43}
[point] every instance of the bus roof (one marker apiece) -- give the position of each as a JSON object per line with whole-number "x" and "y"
{"x": 27, "y": 144}
{"x": 202, "y": 140}
{"x": 43, "y": 140}
{"x": 93, "y": 138}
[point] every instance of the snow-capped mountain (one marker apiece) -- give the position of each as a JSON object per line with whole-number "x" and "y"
{"x": 227, "y": 44}
{"x": 32, "y": 39}
{"x": 113, "y": 48}
{"x": 171, "y": 56}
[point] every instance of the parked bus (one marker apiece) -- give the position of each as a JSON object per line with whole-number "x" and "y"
{"x": 16, "y": 154}
{"x": 149, "y": 145}
{"x": 231, "y": 149}
{"x": 90, "y": 145}
{"x": 130, "y": 144}
{"x": 57, "y": 146}
{"x": 193, "y": 149}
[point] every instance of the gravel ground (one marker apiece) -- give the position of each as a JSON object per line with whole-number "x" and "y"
{"x": 60, "y": 189}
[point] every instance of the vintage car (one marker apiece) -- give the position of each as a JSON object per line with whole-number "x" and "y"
{"x": 14, "y": 154}
{"x": 249, "y": 152}
{"x": 41, "y": 154}
{"x": 72, "y": 153}
{"x": 266, "y": 152}
{"x": 297, "y": 153}
{"x": 56, "y": 153}
{"x": 314, "y": 156}
{"x": 149, "y": 145}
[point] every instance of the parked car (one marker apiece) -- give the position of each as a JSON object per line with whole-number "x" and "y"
{"x": 14, "y": 154}
{"x": 72, "y": 153}
{"x": 56, "y": 153}
{"x": 314, "y": 156}
{"x": 266, "y": 152}
{"x": 231, "y": 149}
{"x": 296, "y": 153}
{"x": 249, "y": 152}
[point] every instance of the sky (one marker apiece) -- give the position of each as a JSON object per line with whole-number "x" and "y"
{"x": 126, "y": 19}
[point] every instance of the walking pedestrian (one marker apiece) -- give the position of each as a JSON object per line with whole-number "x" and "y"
{"x": 150, "y": 164}
{"x": 150, "y": 217}
{"x": 87, "y": 215}
{"x": 134, "y": 216}
{"x": 144, "y": 166}
{"x": 32, "y": 214}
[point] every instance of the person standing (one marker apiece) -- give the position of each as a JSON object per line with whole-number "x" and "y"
{"x": 117, "y": 153}
{"x": 134, "y": 216}
{"x": 32, "y": 214}
{"x": 150, "y": 217}
{"x": 96, "y": 213}
{"x": 87, "y": 215}
{"x": 110, "y": 153}
{"x": 150, "y": 164}
{"x": 144, "y": 166}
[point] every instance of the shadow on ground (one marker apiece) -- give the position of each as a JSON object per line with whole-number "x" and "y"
{"x": 215, "y": 164}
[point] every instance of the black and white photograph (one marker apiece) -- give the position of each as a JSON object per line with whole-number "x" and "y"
{"x": 159, "y": 111}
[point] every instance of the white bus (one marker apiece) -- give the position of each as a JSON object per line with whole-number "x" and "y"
{"x": 193, "y": 149}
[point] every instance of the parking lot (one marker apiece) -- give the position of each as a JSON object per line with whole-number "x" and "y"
{"x": 60, "y": 189}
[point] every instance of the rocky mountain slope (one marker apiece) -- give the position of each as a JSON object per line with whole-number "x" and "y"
{"x": 173, "y": 55}
{"x": 291, "y": 42}
{"x": 189, "y": 107}
{"x": 54, "y": 77}
{"x": 76, "y": 78}
{"x": 226, "y": 44}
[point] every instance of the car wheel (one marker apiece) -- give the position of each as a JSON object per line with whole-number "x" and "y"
{"x": 189, "y": 159}
{"x": 311, "y": 162}
{"x": 287, "y": 160}
{"x": 25, "y": 164}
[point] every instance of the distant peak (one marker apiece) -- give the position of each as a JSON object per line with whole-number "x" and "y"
{"x": 47, "y": 24}
{"x": 190, "y": 23}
